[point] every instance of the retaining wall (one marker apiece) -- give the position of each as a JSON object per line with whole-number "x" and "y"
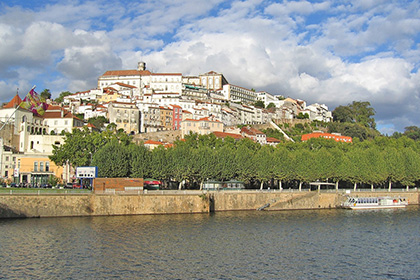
{"x": 61, "y": 205}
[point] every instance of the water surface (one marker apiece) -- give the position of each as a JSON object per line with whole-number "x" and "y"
{"x": 319, "y": 244}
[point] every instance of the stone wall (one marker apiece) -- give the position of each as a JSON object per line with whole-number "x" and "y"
{"x": 62, "y": 205}
{"x": 99, "y": 205}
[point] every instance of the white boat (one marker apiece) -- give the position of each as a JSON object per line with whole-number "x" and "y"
{"x": 375, "y": 202}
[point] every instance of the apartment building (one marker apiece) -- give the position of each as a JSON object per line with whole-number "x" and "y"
{"x": 125, "y": 115}
{"x": 239, "y": 94}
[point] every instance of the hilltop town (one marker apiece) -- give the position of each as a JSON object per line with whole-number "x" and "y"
{"x": 156, "y": 108}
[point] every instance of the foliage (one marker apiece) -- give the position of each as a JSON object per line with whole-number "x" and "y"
{"x": 63, "y": 94}
{"x": 259, "y": 104}
{"x": 204, "y": 157}
{"x": 302, "y": 116}
{"x": 45, "y": 94}
{"x": 356, "y": 112}
{"x": 112, "y": 160}
{"x": 271, "y": 105}
{"x": 81, "y": 145}
{"x": 99, "y": 122}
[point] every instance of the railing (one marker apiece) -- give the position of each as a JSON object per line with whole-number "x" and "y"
{"x": 39, "y": 191}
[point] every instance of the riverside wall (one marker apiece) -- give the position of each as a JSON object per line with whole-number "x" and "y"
{"x": 67, "y": 205}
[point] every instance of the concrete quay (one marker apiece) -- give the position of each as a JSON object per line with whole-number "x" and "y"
{"x": 176, "y": 202}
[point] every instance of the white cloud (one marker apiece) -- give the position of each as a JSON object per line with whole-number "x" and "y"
{"x": 361, "y": 50}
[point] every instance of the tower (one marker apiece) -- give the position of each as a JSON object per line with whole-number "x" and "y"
{"x": 141, "y": 66}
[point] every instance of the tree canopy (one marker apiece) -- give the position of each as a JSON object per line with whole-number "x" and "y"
{"x": 63, "y": 94}
{"x": 383, "y": 160}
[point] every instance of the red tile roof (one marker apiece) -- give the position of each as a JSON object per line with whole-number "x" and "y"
{"x": 152, "y": 142}
{"x": 125, "y": 85}
{"x": 273, "y": 140}
{"x": 13, "y": 103}
{"x": 338, "y": 138}
{"x": 250, "y": 131}
{"x": 219, "y": 134}
{"x": 166, "y": 74}
{"x": 127, "y": 73}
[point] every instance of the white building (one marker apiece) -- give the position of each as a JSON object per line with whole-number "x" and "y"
{"x": 166, "y": 83}
{"x": 318, "y": 112}
{"x": 58, "y": 119}
{"x": 239, "y": 94}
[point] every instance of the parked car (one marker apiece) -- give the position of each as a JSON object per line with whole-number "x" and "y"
{"x": 68, "y": 186}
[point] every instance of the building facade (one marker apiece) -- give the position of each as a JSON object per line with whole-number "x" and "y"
{"x": 125, "y": 115}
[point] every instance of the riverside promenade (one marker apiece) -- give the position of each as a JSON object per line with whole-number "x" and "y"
{"x": 177, "y": 202}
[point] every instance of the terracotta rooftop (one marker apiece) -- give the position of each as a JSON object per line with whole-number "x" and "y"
{"x": 127, "y": 73}
{"x": 13, "y": 103}
{"x": 219, "y": 134}
{"x": 125, "y": 85}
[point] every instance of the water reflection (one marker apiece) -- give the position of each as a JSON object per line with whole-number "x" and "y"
{"x": 326, "y": 244}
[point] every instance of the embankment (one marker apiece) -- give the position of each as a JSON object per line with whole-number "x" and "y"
{"x": 64, "y": 205}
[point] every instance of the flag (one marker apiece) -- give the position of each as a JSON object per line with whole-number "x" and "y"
{"x": 33, "y": 103}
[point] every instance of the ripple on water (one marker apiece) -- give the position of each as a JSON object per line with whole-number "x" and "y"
{"x": 330, "y": 244}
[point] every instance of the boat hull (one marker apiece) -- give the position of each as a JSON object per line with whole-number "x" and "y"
{"x": 360, "y": 203}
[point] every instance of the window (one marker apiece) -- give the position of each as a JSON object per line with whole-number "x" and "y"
{"x": 41, "y": 166}
{"x": 7, "y": 158}
{"x": 35, "y": 166}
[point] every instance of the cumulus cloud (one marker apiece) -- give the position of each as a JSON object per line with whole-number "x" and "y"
{"x": 322, "y": 52}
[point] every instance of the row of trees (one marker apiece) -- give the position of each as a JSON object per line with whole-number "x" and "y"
{"x": 199, "y": 158}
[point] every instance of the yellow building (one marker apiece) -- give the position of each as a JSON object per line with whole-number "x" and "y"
{"x": 36, "y": 169}
{"x": 202, "y": 126}
{"x": 111, "y": 95}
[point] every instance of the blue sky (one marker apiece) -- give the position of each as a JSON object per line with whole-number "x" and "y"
{"x": 330, "y": 52}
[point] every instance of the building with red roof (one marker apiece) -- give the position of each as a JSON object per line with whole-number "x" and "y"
{"x": 201, "y": 126}
{"x": 335, "y": 136}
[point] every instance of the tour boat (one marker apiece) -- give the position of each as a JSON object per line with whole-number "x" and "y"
{"x": 375, "y": 202}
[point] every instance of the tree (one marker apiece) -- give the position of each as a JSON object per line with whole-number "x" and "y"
{"x": 342, "y": 114}
{"x": 81, "y": 144}
{"x": 99, "y": 122}
{"x": 264, "y": 168}
{"x": 63, "y": 94}
{"x": 259, "y": 104}
{"x": 271, "y": 105}
{"x": 302, "y": 116}
{"x": 412, "y": 132}
{"x": 356, "y": 112}
{"x": 139, "y": 161}
{"x": 112, "y": 160}
{"x": 46, "y": 94}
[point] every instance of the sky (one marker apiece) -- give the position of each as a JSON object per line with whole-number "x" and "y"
{"x": 328, "y": 52}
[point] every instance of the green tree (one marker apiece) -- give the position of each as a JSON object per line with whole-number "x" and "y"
{"x": 356, "y": 112}
{"x": 99, "y": 122}
{"x": 271, "y": 105}
{"x": 259, "y": 104}
{"x": 264, "y": 168}
{"x": 46, "y": 94}
{"x": 81, "y": 145}
{"x": 63, "y": 94}
{"x": 412, "y": 132}
{"x": 112, "y": 160}
{"x": 139, "y": 161}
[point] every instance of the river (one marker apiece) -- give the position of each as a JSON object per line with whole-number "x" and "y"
{"x": 318, "y": 244}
